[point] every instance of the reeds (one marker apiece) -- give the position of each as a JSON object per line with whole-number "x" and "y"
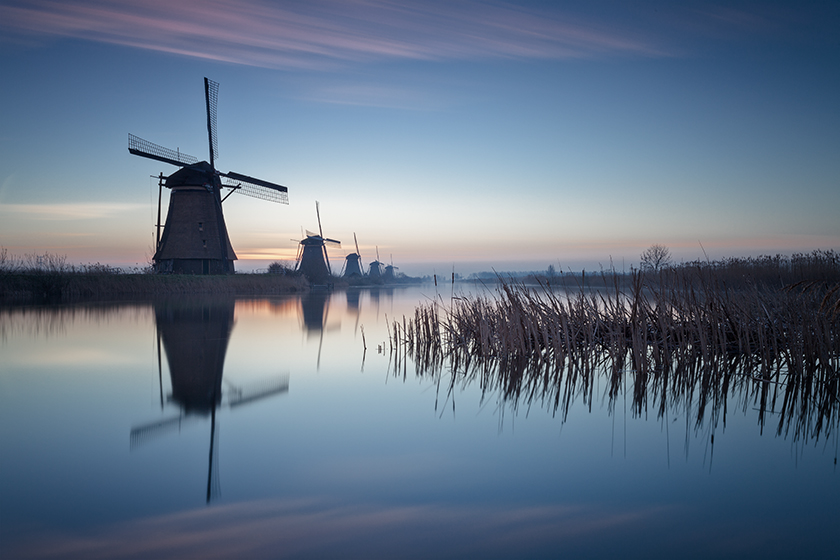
{"x": 683, "y": 336}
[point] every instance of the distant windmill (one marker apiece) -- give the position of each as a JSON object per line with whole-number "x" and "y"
{"x": 389, "y": 271}
{"x": 195, "y": 239}
{"x": 353, "y": 262}
{"x": 375, "y": 271}
{"x": 313, "y": 260}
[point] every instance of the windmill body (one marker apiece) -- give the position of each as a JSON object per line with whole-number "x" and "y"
{"x": 313, "y": 259}
{"x": 353, "y": 262}
{"x": 389, "y": 272}
{"x": 375, "y": 270}
{"x": 352, "y": 266}
{"x": 195, "y": 239}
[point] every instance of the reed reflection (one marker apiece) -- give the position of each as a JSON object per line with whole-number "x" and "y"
{"x": 195, "y": 335}
{"x": 775, "y": 354}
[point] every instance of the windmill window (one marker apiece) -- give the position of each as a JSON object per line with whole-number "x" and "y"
{"x": 200, "y": 226}
{"x": 204, "y": 242}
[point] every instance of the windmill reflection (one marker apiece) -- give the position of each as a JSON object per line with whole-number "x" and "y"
{"x": 315, "y": 306}
{"x": 353, "y": 297}
{"x": 195, "y": 335}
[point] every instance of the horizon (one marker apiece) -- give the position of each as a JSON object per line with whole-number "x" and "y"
{"x": 485, "y": 135}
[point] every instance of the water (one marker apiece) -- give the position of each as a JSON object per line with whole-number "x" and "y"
{"x": 263, "y": 428}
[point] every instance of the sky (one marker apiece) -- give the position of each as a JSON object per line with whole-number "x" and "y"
{"x": 465, "y": 135}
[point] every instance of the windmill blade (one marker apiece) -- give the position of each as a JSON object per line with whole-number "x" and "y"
{"x": 256, "y": 188}
{"x": 144, "y": 148}
{"x": 326, "y": 258}
{"x": 311, "y": 234}
{"x": 318, "y": 213}
{"x": 335, "y": 242}
{"x": 211, "y": 97}
{"x": 358, "y": 253}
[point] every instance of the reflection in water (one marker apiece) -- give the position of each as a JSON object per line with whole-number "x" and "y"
{"x": 318, "y": 528}
{"x": 57, "y": 321}
{"x": 353, "y": 297}
{"x": 315, "y": 306}
{"x": 195, "y": 335}
{"x": 355, "y": 465}
{"x": 807, "y": 408}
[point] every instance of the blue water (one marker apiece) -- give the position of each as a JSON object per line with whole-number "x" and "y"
{"x": 338, "y": 455}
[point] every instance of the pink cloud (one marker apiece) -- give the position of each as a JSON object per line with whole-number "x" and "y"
{"x": 324, "y": 32}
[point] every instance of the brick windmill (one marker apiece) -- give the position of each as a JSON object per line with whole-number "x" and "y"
{"x": 195, "y": 239}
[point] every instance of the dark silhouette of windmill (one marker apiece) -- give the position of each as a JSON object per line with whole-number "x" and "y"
{"x": 195, "y": 239}
{"x": 389, "y": 271}
{"x": 313, "y": 260}
{"x": 375, "y": 270}
{"x": 353, "y": 262}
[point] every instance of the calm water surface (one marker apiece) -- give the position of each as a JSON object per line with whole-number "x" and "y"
{"x": 264, "y": 428}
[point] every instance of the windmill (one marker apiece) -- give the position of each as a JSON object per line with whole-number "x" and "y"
{"x": 313, "y": 261}
{"x": 389, "y": 271}
{"x": 353, "y": 262}
{"x": 375, "y": 271}
{"x": 195, "y": 239}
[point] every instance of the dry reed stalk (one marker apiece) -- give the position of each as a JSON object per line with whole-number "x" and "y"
{"x": 687, "y": 338}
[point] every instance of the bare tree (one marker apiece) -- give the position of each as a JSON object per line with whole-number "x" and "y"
{"x": 655, "y": 258}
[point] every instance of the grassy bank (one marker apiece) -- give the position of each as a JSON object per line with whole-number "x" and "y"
{"x": 64, "y": 286}
{"x": 688, "y": 334}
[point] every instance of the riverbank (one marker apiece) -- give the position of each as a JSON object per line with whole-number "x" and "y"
{"x": 61, "y": 287}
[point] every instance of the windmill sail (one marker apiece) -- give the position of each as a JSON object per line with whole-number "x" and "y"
{"x": 144, "y": 148}
{"x": 256, "y": 188}
{"x": 211, "y": 98}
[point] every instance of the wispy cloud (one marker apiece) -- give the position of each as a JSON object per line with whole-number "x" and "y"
{"x": 326, "y": 32}
{"x": 370, "y": 95}
{"x": 68, "y": 211}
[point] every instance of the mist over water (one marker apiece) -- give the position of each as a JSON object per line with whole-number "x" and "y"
{"x": 286, "y": 427}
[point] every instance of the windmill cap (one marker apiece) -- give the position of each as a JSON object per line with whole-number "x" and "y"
{"x": 195, "y": 175}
